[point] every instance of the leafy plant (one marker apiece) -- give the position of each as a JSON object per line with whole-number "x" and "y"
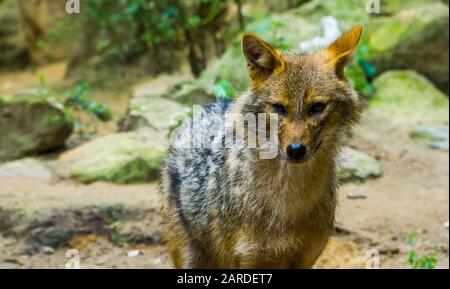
{"x": 174, "y": 127}
{"x": 123, "y": 30}
{"x": 76, "y": 102}
{"x": 361, "y": 72}
{"x": 414, "y": 260}
{"x": 223, "y": 90}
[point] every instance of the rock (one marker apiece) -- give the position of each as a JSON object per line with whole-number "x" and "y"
{"x": 154, "y": 111}
{"x": 118, "y": 158}
{"x": 355, "y": 165}
{"x": 13, "y": 46}
{"x": 30, "y": 123}
{"x": 39, "y": 17}
{"x": 191, "y": 92}
{"x": 446, "y": 225}
{"x": 404, "y": 97}
{"x": 440, "y": 145}
{"x": 431, "y": 132}
{"x": 47, "y": 250}
{"x": 26, "y": 168}
{"x": 388, "y": 7}
{"x": 133, "y": 253}
{"x": 436, "y": 136}
{"x": 415, "y": 39}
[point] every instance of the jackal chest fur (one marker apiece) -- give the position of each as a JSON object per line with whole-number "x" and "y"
{"x": 285, "y": 217}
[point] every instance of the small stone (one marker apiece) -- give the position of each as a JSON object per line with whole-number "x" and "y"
{"x": 133, "y": 253}
{"x": 442, "y": 145}
{"x": 357, "y": 166}
{"x": 446, "y": 225}
{"x": 421, "y": 231}
{"x": 47, "y": 250}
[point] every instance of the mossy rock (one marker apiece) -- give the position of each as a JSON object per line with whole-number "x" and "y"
{"x": 30, "y": 124}
{"x": 394, "y": 6}
{"x": 155, "y": 112}
{"x": 405, "y": 97}
{"x": 118, "y": 158}
{"x": 415, "y": 39}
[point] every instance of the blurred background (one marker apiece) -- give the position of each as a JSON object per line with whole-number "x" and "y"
{"x": 88, "y": 101}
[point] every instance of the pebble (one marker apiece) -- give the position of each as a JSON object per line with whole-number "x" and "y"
{"x": 47, "y": 250}
{"x": 133, "y": 253}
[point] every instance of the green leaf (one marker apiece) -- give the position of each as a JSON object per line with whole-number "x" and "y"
{"x": 223, "y": 90}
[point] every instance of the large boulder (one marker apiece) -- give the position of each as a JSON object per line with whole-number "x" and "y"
{"x": 415, "y": 39}
{"x": 118, "y": 158}
{"x": 407, "y": 98}
{"x": 13, "y": 46}
{"x": 30, "y": 123}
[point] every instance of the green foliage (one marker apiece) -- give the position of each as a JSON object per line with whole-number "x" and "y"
{"x": 361, "y": 71}
{"x": 416, "y": 262}
{"x": 223, "y": 90}
{"x": 126, "y": 28}
{"x": 274, "y": 26}
{"x": 76, "y": 101}
{"x": 79, "y": 99}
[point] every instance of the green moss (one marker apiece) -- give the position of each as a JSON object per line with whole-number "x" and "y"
{"x": 53, "y": 118}
{"x": 11, "y": 145}
{"x": 118, "y": 158}
{"x": 407, "y": 97}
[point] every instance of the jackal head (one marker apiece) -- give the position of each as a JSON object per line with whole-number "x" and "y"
{"x": 310, "y": 93}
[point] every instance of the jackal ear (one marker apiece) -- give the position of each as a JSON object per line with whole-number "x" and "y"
{"x": 262, "y": 60}
{"x": 339, "y": 53}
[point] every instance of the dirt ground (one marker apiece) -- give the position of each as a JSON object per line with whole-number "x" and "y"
{"x": 411, "y": 196}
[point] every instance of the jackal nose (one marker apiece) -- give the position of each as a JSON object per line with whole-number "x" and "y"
{"x": 296, "y": 152}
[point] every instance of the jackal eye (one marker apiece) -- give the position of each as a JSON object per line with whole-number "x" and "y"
{"x": 316, "y": 108}
{"x": 279, "y": 108}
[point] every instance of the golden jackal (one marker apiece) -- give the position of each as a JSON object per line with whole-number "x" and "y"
{"x": 225, "y": 207}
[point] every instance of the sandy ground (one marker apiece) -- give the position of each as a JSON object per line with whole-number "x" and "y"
{"x": 411, "y": 196}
